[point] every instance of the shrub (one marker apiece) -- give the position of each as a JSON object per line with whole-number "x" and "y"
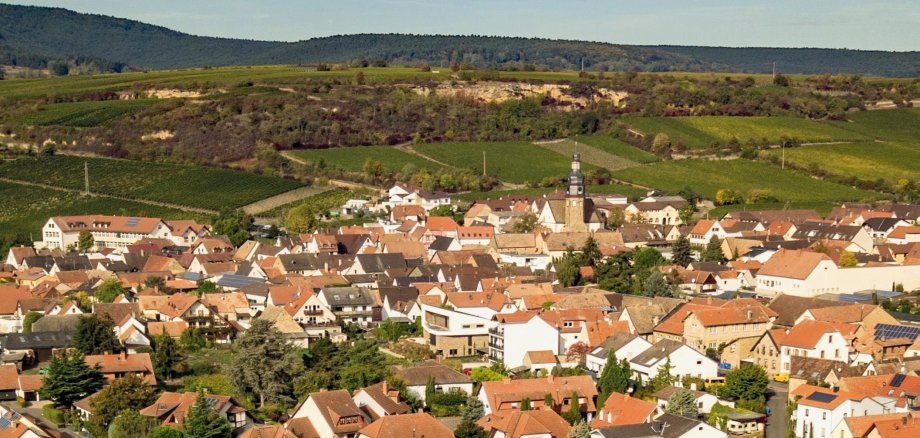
{"x": 53, "y": 414}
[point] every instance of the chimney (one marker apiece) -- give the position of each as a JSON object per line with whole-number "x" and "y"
{"x": 693, "y": 386}
{"x": 904, "y": 420}
{"x": 124, "y": 355}
{"x": 749, "y": 315}
{"x": 550, "y": 378}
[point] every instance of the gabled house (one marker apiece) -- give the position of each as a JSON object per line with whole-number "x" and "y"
{"x": 171, "y": 409}
{"x": 419, "y": 425}
{"x": 116, "y": 366}
{"x": 350, "y": 304}
{"x": 331, "y": 414}
{"x": 544, "y": 423}
{"x": 621, "y": 409}
{"x": 445, "y": 378}
{"x": 684, "y": 361}
{"x": 506, "y": 395}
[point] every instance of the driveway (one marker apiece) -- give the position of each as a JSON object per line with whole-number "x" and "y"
{"x": 777, "y": 395}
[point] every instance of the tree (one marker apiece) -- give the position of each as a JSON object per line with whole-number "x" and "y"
{"x": 207, "y": 287}
{"x": 681, "y": 251}
{"x": 683, "y": 404}
{"x": 526, "y": 223}
{"x": 192, "y": 340}
{"x": 847, "y": 260}
{"x": 746, "y": 383}
{"x": 85, "y": 241}
{"x": 616, "y": 218}
{"x": 663, "y": 377}
{"x": 260, "y": 367}
{"x": 131, "y": 424}
{"x": 661, "y": 143}
{"x": 30, "y": 319}
{"x": 656, "y": 285}
{"x": 686, "y": 213}
{"x": 429, "y": 389}
{"x": 573, "y": 414}
{"x": 165, "y": 432}
{"x": 591, "y": 252}
{"x": 109, "y": 290}
{"x": 525, "y": 404}
{"x": 781, "y": 80}
{"x": 472, "y": 410}
{"x": 129, "y": 392}
{"x": 69, "y": 379}
{"x": 359, "y": 78}
{"x": 202, "y": 422}
{"x": 166, "y": 355}
{"x": 469, "y": 429}
{"x": 155, "y": 282}
{"x": 713, "y": 251}
{"x": 904, "y": 306}
{"x": 580, "y": 430}
{"x": 60, "y": 69}
{"x": 567, "y": 269}
{"x": 614, "y": 378}
{"x": 95, "y": 335}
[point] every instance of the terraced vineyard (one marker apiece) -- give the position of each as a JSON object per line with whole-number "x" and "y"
{"x": 515, "y": 162}
{"x": 889, "y": 161}
{"x": 588, "y": 154}
{"x": 707, "y": 177}
{"x": 617, "y": 147}
{"x": 194, "y": 186}
{"x": 353, "y": 158}
{"x": 703, "y": 132}
{"x": 29, "y": 207}
{"x": 83, "y": 114}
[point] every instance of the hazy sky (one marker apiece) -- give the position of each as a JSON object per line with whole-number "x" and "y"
{"x": 866, "y": 24}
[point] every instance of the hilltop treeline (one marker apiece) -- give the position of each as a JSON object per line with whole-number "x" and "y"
{"x": 55, "y": 34}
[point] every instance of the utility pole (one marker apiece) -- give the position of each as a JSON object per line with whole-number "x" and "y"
{"x": 483, "y": 163}
{"x": 86, "y": 176}
{"x": 582, "y": 63}
{"x": 774, "y": 69}
{"x": 783, "y": 147}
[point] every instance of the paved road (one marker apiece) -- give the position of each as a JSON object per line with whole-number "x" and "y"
{"x": 777, "y": 394}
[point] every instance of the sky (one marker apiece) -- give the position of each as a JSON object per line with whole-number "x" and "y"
{"x": 869, "y": 25}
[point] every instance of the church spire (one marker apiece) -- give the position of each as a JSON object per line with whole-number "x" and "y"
{"x": 576, "y": 179}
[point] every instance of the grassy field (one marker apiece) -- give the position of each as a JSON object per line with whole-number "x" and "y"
{"x": 194, "y": 186}
{"x": 27, "y": 208}
{"x": 82, "y": 114}
{"x": 617, "y": 147}
{"x": 895, "y": 124}
{"x": 867, "y": 160}
{"x": 702, "y": 132}
{"x": 515, "y": 162}
{"x": 353, "y": 158}
{"x": 708, "y": 177}
{"x": 590, "y": 155}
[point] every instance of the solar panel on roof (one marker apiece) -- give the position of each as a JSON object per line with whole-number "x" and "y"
{"x": 894, "y": 331}
{"x": 822, "y": 397}
{"x": 897, "y": 380}
{"x": 132, "y": 221}
{"x": 4, "y": 423}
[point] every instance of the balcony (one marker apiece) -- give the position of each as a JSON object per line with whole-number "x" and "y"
{"x": 312, "y": 312}
{"x": 497, "y": 331}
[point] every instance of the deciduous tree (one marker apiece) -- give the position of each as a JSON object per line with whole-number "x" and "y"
{"x": 85, "y": 241}
{"x": 131, "y": 424}
{"x": 109, "y": 290}
{"x": 130, "y": 392}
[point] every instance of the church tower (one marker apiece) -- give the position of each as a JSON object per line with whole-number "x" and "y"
{"x": 575, "y": 198}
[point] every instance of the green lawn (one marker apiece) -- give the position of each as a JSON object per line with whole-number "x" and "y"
{"x": 27, "y": 208}
{"x": 867, "y": 160}
{"x": 353, "y": 158}
{"x": 617, "y": 147}
{"x": 608, "y": 189}
{"x": 194, "y": 186}
{"x": 707, "y": 177}
{"x": 515, "y": 162}
{"x": 702, "y": 132}
{"x": 822, "y": 207}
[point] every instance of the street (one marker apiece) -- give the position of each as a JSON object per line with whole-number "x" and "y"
{"x": 777, "y": 395}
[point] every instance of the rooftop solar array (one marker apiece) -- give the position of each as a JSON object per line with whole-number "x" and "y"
{"x": 237, "y": 281}
{"x": 893, "y": 331}
{"x": 822, "y": 397}
{"x": 897, "y": 380}
{"x": 132, "y": 221}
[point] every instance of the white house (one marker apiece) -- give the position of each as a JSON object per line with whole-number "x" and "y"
{"x": 454, "y": 333}
{"x": 816, "y": 339}
{"x": 683, "y": 359}
{"x": 516, "y": 334}
{"x": 445, "y": 378}
{"x": 820, "y": 410}
{"x": 667, "y": 425}
{"x": 704, "y": 400}
{"x": 624, "y": 346}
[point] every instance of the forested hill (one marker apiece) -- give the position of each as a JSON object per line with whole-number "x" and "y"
{"x": 38, "y": 37}
{"x": 806, "y": 60}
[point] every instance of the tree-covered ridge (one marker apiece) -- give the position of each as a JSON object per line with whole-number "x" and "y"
{"x": 40, "y": 37}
